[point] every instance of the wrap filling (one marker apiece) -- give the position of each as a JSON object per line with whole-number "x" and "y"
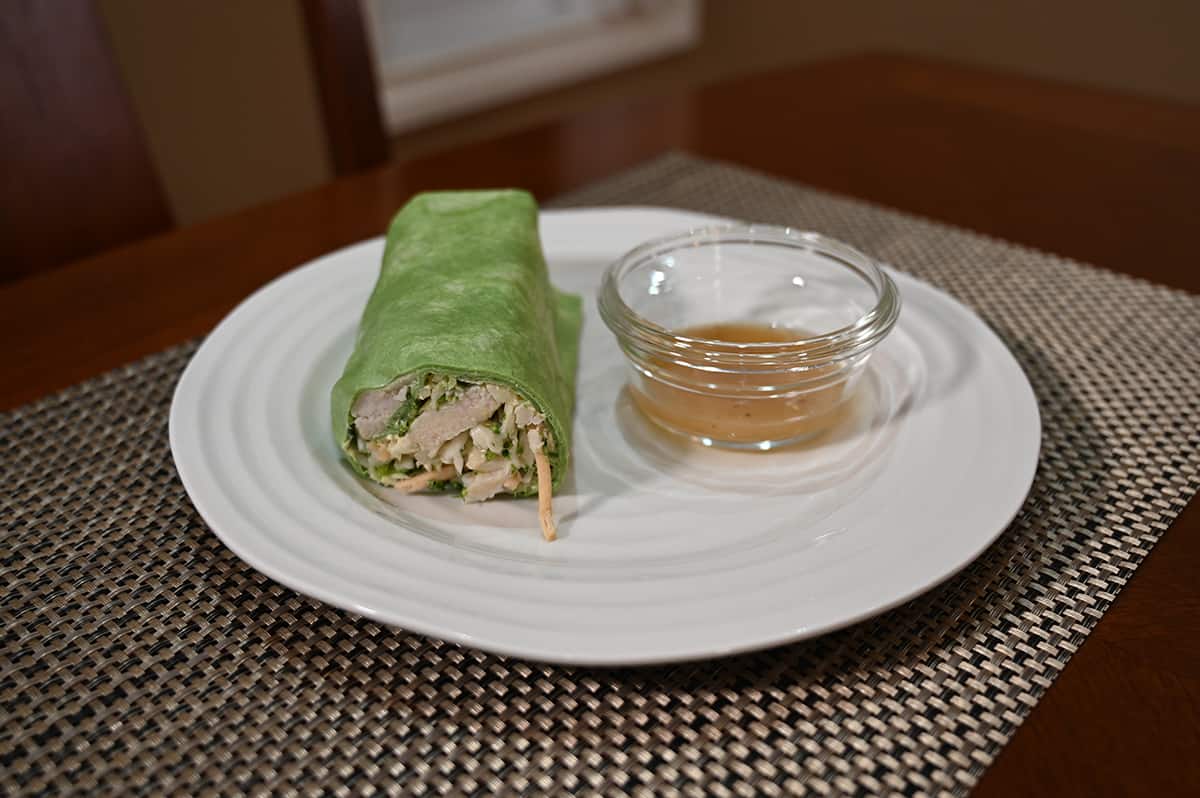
{"x": 437, "y": 432}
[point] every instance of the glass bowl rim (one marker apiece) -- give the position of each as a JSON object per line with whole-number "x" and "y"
{"x": 847, "y": 341}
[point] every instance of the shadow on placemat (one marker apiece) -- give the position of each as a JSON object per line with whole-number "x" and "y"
{"x": 141, "y": 656}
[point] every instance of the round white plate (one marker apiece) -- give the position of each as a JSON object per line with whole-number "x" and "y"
{"x": 667, "y": 551}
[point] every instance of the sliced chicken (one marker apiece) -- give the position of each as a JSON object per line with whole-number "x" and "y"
{"x": 478, "y": 460}
{"x": 374, "y": 409}
{"x": 484, "y": 438}
{"x": 483, "y": 485}
{"x": 502, "y": 394}
{"x": 451, "y": 452}
{"x": 434, "y": 427}
{"x": 526, "y": 416}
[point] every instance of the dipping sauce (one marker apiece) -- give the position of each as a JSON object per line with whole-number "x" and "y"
{"x": 766, "y": 409}
{"x": 759, "y": 379}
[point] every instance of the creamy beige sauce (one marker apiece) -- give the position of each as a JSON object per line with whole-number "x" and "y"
{"x": 778, "y": 416}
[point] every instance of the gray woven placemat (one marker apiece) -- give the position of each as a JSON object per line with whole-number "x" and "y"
{"x": 140, "y": 656}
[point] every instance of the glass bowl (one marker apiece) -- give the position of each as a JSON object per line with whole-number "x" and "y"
{"x": 746, "y": 336}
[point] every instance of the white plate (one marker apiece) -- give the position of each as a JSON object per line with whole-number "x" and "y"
{"x": 667, "y": 551}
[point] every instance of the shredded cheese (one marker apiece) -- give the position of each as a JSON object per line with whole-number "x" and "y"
{"x": 422, "y": 480}
{"x": 545, "y": 512}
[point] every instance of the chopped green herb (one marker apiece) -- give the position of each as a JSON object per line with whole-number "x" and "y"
{"x": 400, "y": 421}
{"x": 390, "y": 469}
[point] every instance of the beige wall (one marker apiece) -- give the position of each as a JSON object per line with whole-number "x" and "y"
{"x": 225, "y": 89}
{"x": 1141, "y": 46}
{"x": 225, "y": 92}
{"x": 1149, "y": 47}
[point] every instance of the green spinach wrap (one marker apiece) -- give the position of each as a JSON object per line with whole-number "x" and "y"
{"x": 463, "y": 370}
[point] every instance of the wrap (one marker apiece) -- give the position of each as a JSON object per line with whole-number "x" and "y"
{"x": 464, "y": 361}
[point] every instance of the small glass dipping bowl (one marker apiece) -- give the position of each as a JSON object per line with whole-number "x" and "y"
{"x": 825, "y": 305}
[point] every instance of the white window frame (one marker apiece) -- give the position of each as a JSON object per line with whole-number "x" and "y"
{"x": 412, "y": 99}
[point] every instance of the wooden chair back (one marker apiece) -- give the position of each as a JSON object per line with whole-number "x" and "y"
{"x": 76, "y": 176}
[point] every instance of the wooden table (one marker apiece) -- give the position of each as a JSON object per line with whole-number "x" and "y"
{"x": 1100, "y": 177}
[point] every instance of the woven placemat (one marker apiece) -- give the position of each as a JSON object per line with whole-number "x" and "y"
{"x": 140, "y": 656}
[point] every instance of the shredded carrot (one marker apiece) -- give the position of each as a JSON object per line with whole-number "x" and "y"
{"x": 422, "y": 480}
{"x": 545, "y": 511}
